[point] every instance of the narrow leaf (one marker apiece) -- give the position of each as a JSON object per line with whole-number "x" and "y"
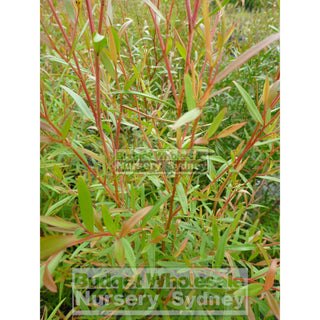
{"x": 149, "y": 96}
{"x": 187, "y": 117}
{"x": 215, "y": 232}
{"x": 154, "y": 210}
{"x": 66, "y": 127}
{"x": 107, "y": 63}
{"x": 181, "y": 248}
{"x": 252, "y": 108}
{"x": 52, "y": 244}
{"x": 169, "y": 45}
{"x": 124, "y": 27}
{"x": 265, "y": 94}
{"x": 85, "y": 202}
{"x": 58, "y": 222}
{"x": 80, "y": 103}
{"x": 154, "y": 8}
{"x": 182, "y": 197}
{"x": 270, "y": 275}
{"x": 221, "y": 249}
{"x": 133, "y": 220}
{"x": 116, "y": 39}
{"x": 129, "y": 254}
{"x": 48, "y": 280}
{"x": 56, "y": 309}
{"x": 182, "y": 50}
{"x": 216, "y": 123}
{"x": 108, "y": 220}
{"x": 229, "y": 130}
{"x": 248, "y": 308}
{"x": 246, "y": 56}
{"x": 273, "y": 91}
{"x": 251, "y": 290}
{"x": 109, "y": 15}
{"x": 191, "y": 102}
{"x": 119, "y": 252}
{"x": 52, "y": 265}
{"x": 273, "y": 304}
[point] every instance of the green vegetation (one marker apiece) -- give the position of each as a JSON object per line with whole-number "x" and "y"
{"x": 132, "y": 82}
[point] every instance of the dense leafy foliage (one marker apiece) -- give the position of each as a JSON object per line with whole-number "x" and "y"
{"x": 131, "y": 82}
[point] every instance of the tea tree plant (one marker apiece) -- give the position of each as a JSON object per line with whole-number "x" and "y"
{"x": 153, "y": 82}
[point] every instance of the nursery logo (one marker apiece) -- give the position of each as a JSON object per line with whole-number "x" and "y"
{"x": 161, "y": 161}
{"x": 158, "y": 291}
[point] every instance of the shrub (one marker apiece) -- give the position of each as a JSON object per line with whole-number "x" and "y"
{"x": 156, "y": 144}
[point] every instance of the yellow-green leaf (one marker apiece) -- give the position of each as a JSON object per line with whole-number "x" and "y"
{"x": 252, "y": 290}
{"x": 219, "y": 257}
{"x": 216, "y": 123}
{"x": 129, "y": 253}
{"x": 85, "y": 202}
{"x": 119, "y": 252}
{"x": 108, "y": 220}
{"x": 187, "y": 117}
{"x": 58, "y": 222}
{"x": 80, "y": 103}
{"x": 52, "y": 244}
{"x": 191, "y": 102}
{"x": 182, "y": 197}
{"x": 252, "y": 108}
{"x": 182, "y": 50}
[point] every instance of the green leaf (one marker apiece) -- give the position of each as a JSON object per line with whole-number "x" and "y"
{"x": 241, "y": 247}
{"x": 221, "y": 249}
{"x": 169, "y": 45}
{"x": 251, "y": 290}
{"x": 171, "y": 264}
{"x": 58, "y": 205}
{"x": 99, "y": 42}
{"x": 191, "y": 102}
{"x": 56, "y": 309}
{"x": 66, "y": 127}
{"x": 107, "y": 64}
{"x": 80, "y": 103}
{"x": 215, "y": 231}
{"x": 116, "y": 39}
{"x": 108, "y": 220}
{"x": 86, "y": 208}
{"x": 58, "y": 222}
{"x": 236, "y": 220}
{"x": 119, "y": 252}
{"x": 187, "y": 117}
{"x": 52, "y": 244}
{"x": 129, "y": 254}
{"x": 154, "y": 210}
{"x": 216, "y": 123}
{"x": 182, "y": 50}
{"x": 182, "y": 197}
{"x": 149, "y": 96}
{"x": 252, "y": 108}
{"x": 275, "y": 179}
